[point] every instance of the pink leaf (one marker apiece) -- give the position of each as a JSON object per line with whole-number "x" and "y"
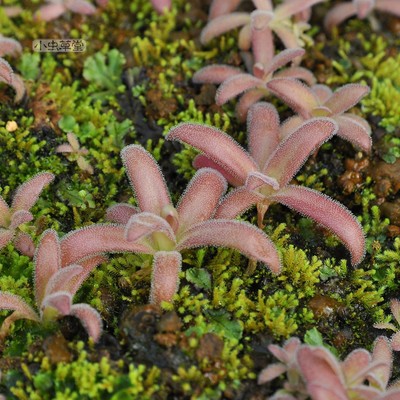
{"x": 364, "y": 7}
{"x": 295, "y": 94}
{"x": 241, "y": 236}
{"x": 289, "y": 126}
{"x": 19, "y": 87}
{"x": 236, "y": 202}
{"x": 357, "y": 361}
{"x": 391, "y": 395}
{"x": 271, "y": 372}
{"x": 261, "y": 37}
{"x": 346, "y": 97}
{"x": 146, "y": 179}
{"x": 247, "y": 100}
{"x": 217, "y": 146}
{"x": 321, "y": 208}
{"x": 244, "y": 38}
{"x": 289, "y": 39}
{"x": 382, "y": 353}
{"x": 338, "y": 14}
{"x": 47, "y": 262}
{"x": 50, "y": 12}
{"x": 200, "y": 199}
{"x": 161, "y": 6}
{"x": 257, "y": 179}
{"x": 4, "y": 213}
{"x": 322, "y": 92}
{"x": 95, "y": 240}
{"x": 395, "y": 308}
{"x": 60, "y": 301}
{"x": 262, "y": 131}
{"x": 24, "y": 244}
{"x": 289, "y": 8}
{"x": 354, "y": 132}
{"x": 120, "y": 213}
{"x": 9, "y": 301}
{"x": 9, "y": 46}
{"x": 201, "y": 161}
{"x": 298, "y": 73}
{"x": 20, "y": 217}
{"x": 236, "y": 85}
{"x": 61, "y": 280}
{"x": 80, "y": 6}
{"x": 165, "y": 276}
{"x": 395, "y": 341}
{"x": 28, "y": 193}
{"x": 90, "y": 319}
{"x": 222, "y": 24}
{"x": 221, "y": 7}
{"x": 6, "y": 235}
{"x": 144, "y": 224}
{"x": 283, "y": 58}
{"x": 215, "y": 74}
{"x": 6, "y": 72}
{"x": 291, "y": 154}
{"x": 390, "y": 6}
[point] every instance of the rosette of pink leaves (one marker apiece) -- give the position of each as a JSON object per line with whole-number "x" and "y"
{"x": 361, "y": 375}
{"x": 11, "y": 47}
{"x": 279, "y": 21}
{"x": 156, "y": 227}
{"x": 56, "y": 8}
{"x": 359, "y": 8}
{"x": 262, "y": 175}
{"x": 320, "y": 101}
{"x": 12, "y": 217}
{"x": 395, "y": 339}
{"x": 55, "y": 288}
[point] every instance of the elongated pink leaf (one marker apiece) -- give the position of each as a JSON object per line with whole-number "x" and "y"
{"x": 222, "y": 24}
{"x": 50, "y": 12}
{"x": 60, "y": 301}
{"x": 61, "y": 280}
{"x": 24, "y": 244}
{"x": 338, "y": 14}
{"x": 290, "y": 8}
{"x": 6, "y": 72}
{"x": 258, "y": 179}
{"x": 165, "y": 276}
{"x": 261, "y": 37}
{"x": 244, "y": 38}
{"x": 19, "y": 87}
{"x": 358, "y": 360}
{"x": 90, "y": 319}
{"x": 287, "y": 353}
{"x": 291, "y": 154}
{"x": 297, "y": 73}
{"x": 390, "y": 395}
{"x": 295, "y": 94}
{"x": 221, "y": 7}
{"x": 143, "y": 224}
{"x": 346, "y": 97}
{"x": 322, "y": 92}
{"x": 12, "y": 302}
{"x": 262, "y": 131}
{"x": 286, "y": 35}
{"x": 10, "y": 47}
{"x": 364, "y": 7}
{"x": 20, "y": 217}
{"x": 283, "y": 58}
{"x": 395, "y": 341}
{"x": 247, "y": 100}
{"x": 47, "y": 262}
{"x": 271, "y": 372}
{"x": 95, "y": 240}
{"x": 6, "y": 235}
{"x": 28, "y": 193}
{"x": 382, "y": 353}
{"x": 319, "y": 391}
{"x": 4, "y": 213}
{"x": 354, "y": 132}
{"x": 321, "y": 209}
{"x": 389, "y": 6}
{"x": 146, "y": 179}
{"x": 236, "y": 202}
{"x": 200, "y": 199}
{"x": 217, "y": 146}
{"x": 80, "y": 6}
{"x": 120, "y": 213}
{"x": 395, "y": 309}
{"x": 215, "y": 73}
{"x": 238, "y": 235}
{"x": 289, "y": 126}
{"x": 236, "y": 85}
{"x": 201, "y": 161}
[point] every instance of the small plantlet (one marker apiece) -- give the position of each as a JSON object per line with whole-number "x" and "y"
{"x": 55, "y": 288}
{"x": 156, "y": 227}
{"x": 263, "y": 175}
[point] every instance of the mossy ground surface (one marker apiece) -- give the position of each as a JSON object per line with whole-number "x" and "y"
{"x": 131, "y": 85}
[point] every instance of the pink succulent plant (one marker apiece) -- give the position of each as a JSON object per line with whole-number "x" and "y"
{"x": 56, "y": 8}
{"x": 156, "y": 227}
{"x": 252, "y": 87}
{"x": 360, "y": 376}
{"x": 24, "y": 199}
{"x": 262, "y": 176}
{"x": 359, "y": 8}
{"x": 279, "y": 21}
{"x": 395, "y": 339}
{"x": 320, "y": 101}
{"x": 55, "y": 288}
